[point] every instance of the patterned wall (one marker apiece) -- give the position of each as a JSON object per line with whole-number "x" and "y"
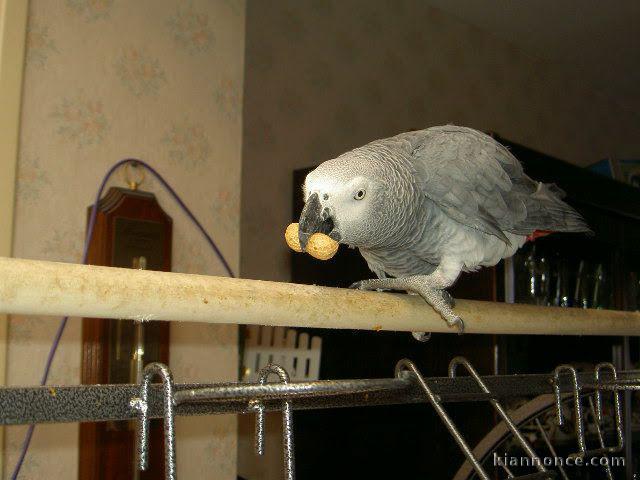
{"x": 160, "y": 80}
{"x": 342, "y": 73}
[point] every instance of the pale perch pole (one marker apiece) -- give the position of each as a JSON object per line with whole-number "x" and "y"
{"x": 30, "y": 287}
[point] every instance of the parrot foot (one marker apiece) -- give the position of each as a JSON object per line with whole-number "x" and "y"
{"x": 441, "y": 300}
{"x": 374, "y": 285}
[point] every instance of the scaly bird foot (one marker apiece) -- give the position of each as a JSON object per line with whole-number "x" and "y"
{"x": 441, "y": 301}
{"x": 374, "y": 284}
{"x": 366, "y": 285}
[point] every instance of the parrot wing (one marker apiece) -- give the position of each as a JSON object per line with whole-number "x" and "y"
{"x": 479, "y": 183}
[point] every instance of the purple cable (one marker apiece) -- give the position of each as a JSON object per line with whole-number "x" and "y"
{"x": 85, "y": 253}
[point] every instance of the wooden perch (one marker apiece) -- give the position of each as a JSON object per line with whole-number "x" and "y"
{"x": 30, "y": 287}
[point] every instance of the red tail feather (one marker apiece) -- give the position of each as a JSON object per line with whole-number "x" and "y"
{"x": 538, "y": 234}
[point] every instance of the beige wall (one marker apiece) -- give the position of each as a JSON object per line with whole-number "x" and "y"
{"x": 156, "y": 79}
{"x": 325, "y": 76}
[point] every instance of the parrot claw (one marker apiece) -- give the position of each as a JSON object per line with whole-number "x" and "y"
{"x": 449, "y": 300}
{"x": 421, "y": 336}
{"x": 458, "y": 323}
{"x": 357, "y": 285}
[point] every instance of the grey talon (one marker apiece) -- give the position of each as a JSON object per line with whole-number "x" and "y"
{"x": 448, "y": 298}
{"x": 459, "y": 324}
{"x": 421, "y": 336}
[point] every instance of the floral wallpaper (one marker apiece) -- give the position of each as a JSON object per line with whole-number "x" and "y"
{"x": 140, "y": 72}
{"x": 39, "y": 44}
{"x": 187, "y": 143}
{"x": 80, "y": 121}
{"x": 91, "y": 10}
{"x": 191, "y": 29}
{"x": 161, "y": 80}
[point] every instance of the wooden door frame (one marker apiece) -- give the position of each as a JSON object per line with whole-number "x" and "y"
{"x": 13, "y": 28}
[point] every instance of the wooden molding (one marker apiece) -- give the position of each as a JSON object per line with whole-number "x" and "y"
{"x": 13, "y": 27}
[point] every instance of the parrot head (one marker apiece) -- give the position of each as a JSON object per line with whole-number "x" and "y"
{"x": 347, "y": 199}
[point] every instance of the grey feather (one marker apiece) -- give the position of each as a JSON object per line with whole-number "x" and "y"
{"x": 479, "y": 183}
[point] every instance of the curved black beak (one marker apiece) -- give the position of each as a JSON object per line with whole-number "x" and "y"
{"x": 314, "y": 219}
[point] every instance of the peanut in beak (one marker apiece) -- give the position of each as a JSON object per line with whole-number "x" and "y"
{"x": 320, "y": 246}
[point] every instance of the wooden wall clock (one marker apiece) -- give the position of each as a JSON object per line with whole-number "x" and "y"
{"x": 131, "y": 231}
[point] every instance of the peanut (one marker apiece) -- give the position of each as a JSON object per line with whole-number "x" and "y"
{"x": 319, "y": 246}
{"x": 291, "y": 236}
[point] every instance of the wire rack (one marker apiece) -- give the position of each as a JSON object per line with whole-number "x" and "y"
{"x": 93, "y": 403}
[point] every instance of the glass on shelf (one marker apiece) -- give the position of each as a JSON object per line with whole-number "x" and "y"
{"x": 602, "y": 288}
{"x": 547, "y": 277}
{"x": 533, "y": 276}
{"x": 563, "y": 280}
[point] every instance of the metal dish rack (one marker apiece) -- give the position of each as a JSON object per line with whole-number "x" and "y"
{"x": 92, "y": 403}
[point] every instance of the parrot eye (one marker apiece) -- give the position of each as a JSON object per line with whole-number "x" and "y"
{"x": 359, "y": 194}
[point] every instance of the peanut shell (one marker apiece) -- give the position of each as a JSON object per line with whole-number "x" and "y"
{"x": 291, "y": 237}
{"x": 321, "y": 246}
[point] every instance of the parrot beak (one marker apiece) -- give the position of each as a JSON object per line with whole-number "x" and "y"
{"x": 314, "y": 219}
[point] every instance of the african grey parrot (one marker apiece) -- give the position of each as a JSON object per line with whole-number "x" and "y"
{"x": 425, "y": 205}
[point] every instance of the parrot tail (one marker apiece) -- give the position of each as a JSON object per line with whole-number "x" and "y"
{"x": 548, "y": 213}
